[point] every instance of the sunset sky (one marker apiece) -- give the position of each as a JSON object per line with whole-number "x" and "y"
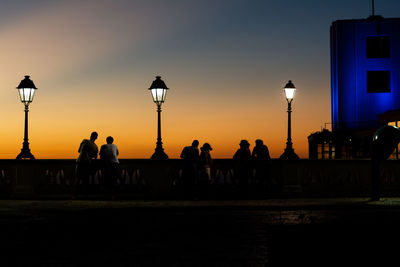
{"x": 225, "y": 62}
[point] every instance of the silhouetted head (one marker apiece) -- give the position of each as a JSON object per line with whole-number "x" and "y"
{"x": 384, "y": 142}
{"x": 244, "y": 144}
{"x": 206, "y": 146}
{"x": 109, "y": 140}
{"x": 259, "y": 142}
{"x": 93, "y": 136}
{"x": 195, "y": 143}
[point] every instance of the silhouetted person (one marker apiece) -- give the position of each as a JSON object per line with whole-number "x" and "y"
{"x": 242, "y": 165}
{"x": 261, "y": 159}
{"x": 110, "y": 165}
{"x": 190, "y": 156}
{"x": 205, "y": 162}
{"x": 384, "y": 141}
{"x": 85, "y": 166}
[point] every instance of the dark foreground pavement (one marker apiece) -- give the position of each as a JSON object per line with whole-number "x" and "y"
{"x": 309, "y": 232}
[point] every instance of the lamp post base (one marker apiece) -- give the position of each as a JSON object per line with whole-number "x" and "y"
{"x": 25, "y": 154}
{"x": 159, "y": 154}
{"x": 289, "y": 154}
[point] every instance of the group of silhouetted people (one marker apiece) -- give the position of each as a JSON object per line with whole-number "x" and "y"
{"x": 245, "y": 162}
{"x": 196, "y": 170}
{"x": 86, "y": 166}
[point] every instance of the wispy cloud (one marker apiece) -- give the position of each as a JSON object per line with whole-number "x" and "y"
{"x": 69, "y": 37}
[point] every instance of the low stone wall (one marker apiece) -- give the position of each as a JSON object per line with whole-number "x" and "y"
{"x": 152, "y": 179}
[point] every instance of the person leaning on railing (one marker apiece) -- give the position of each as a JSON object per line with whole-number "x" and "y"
{"x": 88, "y": 151}
{"x": 110, "y": 165}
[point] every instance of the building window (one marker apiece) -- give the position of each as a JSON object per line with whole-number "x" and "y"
{"x": 326, "y": 151}
{"x": 320, "y": 151}
{"x": 378, "y": 81}
{"x": 395, "y": 154}
{"x": 332, "y": 151}
{"x": 378, "y": 47}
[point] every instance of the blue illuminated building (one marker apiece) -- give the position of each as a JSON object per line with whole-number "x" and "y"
{"x": 365, "y": 71}
{"x": 365, "y": 86}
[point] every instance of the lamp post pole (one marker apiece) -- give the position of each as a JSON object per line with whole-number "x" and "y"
{"x": 289, "y": 151}
{"x": 158, "y": 91}
{"x": 25, "y": 151}
{"x": 159, "y": 152}
{"x": 26, "y": 91}
{"x": 289, "y": 144}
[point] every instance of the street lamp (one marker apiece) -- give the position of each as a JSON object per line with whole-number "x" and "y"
{"x": 158, "y": 92}
{"x": 26, "y": 90}
{"x": 289, "y": 151}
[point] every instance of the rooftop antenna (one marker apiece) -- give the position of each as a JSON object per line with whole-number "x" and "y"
{"x": 373, "y": 8}
{"x": 375, "y": 18}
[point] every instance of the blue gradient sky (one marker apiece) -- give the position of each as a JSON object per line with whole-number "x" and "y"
{"x": 225, "y": 61}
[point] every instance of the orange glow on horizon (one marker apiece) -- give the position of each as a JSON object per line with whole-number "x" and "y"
{"x": 57, "y": 134}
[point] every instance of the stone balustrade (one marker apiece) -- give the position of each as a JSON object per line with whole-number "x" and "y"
{"x": 151, "y": 179}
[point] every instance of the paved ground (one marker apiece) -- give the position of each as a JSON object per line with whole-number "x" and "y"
{"x": 313, "y": 232}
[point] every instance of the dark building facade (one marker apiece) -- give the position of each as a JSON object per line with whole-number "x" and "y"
{"x": 365, "y": 68}
{"x": 365, "y": 85}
